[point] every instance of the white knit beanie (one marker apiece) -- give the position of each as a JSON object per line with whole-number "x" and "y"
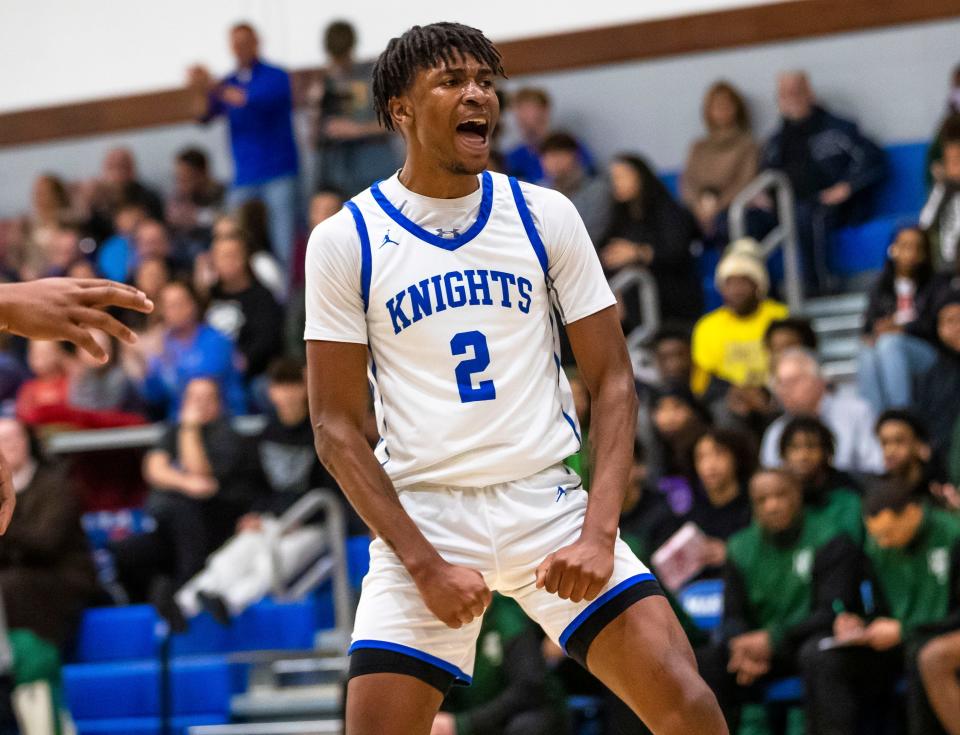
{"x": 743, "y": 258}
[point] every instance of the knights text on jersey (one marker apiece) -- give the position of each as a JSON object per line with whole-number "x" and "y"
{"x": 463, "y": 346}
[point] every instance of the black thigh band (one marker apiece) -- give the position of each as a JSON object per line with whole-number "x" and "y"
{"x": 380, "y": 661}
{"x": 579, "y": 641}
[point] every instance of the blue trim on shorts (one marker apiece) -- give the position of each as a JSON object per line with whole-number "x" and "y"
{"x": 600, "y": 602}
{"x": 413, "y": 653}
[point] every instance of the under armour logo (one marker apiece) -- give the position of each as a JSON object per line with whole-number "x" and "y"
{"x": 560, "y": 493}
{"x": 386, "y": 239}
{"x": 455, "y": 232}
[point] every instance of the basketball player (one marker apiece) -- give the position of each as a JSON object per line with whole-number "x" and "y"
{"x": 439, "y": 286}
{"x": 62, "y": 309}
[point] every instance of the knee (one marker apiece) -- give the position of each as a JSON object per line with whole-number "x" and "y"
{"x": 890, "y": 344}
{"x": 936, "y": 658}
{"x": 696, "y": 704}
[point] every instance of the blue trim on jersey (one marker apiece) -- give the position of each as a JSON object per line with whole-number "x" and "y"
{"x": 573, "y": 424}
{"x": 413, "y": 653}
{"x": 366, "y": 259}
{"x": 600, "y": 602}
{"x": 528, "y": 225}
{"x": 447, "y": 243}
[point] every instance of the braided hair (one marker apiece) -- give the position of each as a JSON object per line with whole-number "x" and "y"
{"x": 423, "y": 47}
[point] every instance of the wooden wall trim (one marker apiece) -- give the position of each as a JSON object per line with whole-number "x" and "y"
{"x": 556, "y": 52}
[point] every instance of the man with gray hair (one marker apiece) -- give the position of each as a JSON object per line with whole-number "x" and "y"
{"x": 831, "y": 166}
{"x": 802, "y": 391}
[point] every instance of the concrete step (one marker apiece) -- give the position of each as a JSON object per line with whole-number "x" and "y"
{"x": 838, "y": 323}
{"x": 270, "y": 703}
{"x": 312, "y": 727}
{"x": 848, "y": 303}
{"x": 839, "y": 348}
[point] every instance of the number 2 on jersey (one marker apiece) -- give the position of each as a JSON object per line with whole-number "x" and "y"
{"x": 485, "y": 389}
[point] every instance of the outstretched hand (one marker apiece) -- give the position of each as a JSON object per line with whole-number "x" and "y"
{"x": 68, "y": 309}
{"x": 576, "y": 572}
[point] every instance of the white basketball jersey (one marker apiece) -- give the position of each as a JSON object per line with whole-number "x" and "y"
{"x": 463, "y": 347}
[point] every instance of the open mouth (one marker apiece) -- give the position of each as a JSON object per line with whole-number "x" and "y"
{"x": 475, "y": 131}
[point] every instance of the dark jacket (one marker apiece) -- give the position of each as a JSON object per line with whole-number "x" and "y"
{"x": 253, "y": 319}
{"x": 670, "y": 230}
{"x": 937, "y": 401}
{"x": 789, "y": 583}
{"x": 882, "y": 303}
{"x": 46, "y": 569}
{"x": 824, "y": 150}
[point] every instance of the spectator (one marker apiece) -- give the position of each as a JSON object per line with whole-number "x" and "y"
{"x": 241, "y": 572}
{"x": 940, "y": 216}
{"x": 531, "y": 113}
{"x": 679, "y": 419}
{"x": 783, "y": 576}
{"x": 116, "y": 257}
{"x": 252, "y": 217}
{"x": 50, "y": 363}
{"x": 646, "y": 521}
{"x": 831, "y": 166}
{"x": 46, "y": 570}
{"x": 193, "y": 206}
{"x": 913, "y": 565}
{"x": 728, "y": 342}
{"x": 323, "y": 205}
{"x": 204, "y": 477}
{"x": 51, "y": 210}
{"x": 724, "y": 462}
{"x": 802, "y": 391}
{"x": 649, "y": 229}
{"x": 720, "y": 164}
{"x": 104, "y": 387}
{"x": 65, "y": 249}
{"x": 241, "y": 308}
{"x": 513, "y": 693}
{"x": 949, "y": 127}
{"x": 353, "y": 149}
{"x": 118, "y": 185}
{"x": 258, "y": 102}
{"x": 907, "y": 456}
{"x": 191, "y": 349}
{"x": 830, "y": 496}
{"x": 938, "y": 397}
{"x": 564, "y": 172}
{"x": 898, "y": 328}
{"x": 784, "y": 334}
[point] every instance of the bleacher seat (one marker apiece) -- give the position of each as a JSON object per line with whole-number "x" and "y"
{"x": 147, "y": 725}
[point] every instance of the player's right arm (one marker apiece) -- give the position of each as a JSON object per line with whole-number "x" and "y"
{"x": 339, "y": 394}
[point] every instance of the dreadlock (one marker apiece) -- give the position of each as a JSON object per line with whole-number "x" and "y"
{"x": 423, "y": 47}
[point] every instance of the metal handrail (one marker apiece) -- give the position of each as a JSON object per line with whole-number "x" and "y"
{"x": 334, "y": 564}
{"x": 641, "y": 279}
{"x": 784, "y": 235}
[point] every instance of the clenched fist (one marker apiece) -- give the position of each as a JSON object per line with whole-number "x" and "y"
{"x": 576, "y": 572}
{"x": 456, "y": 595}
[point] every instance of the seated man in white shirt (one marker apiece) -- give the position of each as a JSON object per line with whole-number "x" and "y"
{"x": 802, "y": 391}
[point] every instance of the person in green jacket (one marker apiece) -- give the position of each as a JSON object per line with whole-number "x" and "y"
{"x": 784, "y": 573}
{"x": 512, "y": 693}
{"x": 913, "y": 573}
{"x": 807, "y": 448}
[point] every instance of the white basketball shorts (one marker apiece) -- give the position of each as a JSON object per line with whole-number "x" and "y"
{"x": 504, "y": 532}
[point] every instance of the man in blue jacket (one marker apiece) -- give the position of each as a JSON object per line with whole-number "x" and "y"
{"x": 258, "y": 103}
{"x": 831, "y": 165}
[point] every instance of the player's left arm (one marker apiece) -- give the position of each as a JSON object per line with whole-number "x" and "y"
{"x": 587, "y": 306}
{"x": 581, "y": 570}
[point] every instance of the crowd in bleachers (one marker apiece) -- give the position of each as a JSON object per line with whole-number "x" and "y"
{"x": 829, "y": 511}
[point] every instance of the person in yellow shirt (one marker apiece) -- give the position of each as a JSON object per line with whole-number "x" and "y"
{"x": 728, "y": 342}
